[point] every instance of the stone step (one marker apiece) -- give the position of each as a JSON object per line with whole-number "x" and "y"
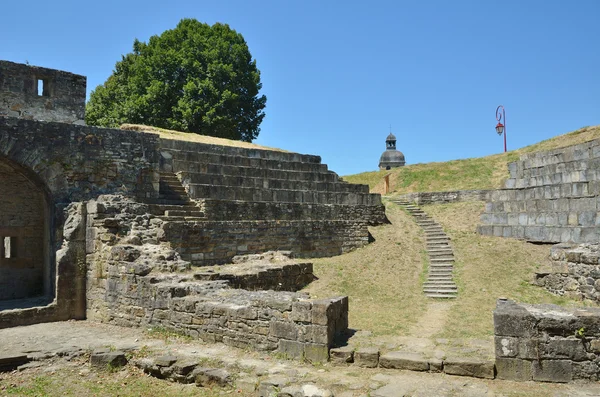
{"x": 191, "y": 168}
{"x": 244, "y": 161}
{"x": 270, "y": 183}
{"x": 434, "y": 284}
{"x": 437, "y": 238}
{"x": 440, "y": 295}
{"x": 439, "y": 278}
{"x": 281, "y": 195}
{"x": 441, "y": 260}
{"x": 176, "y": 146}
{"x": 184, "y": 213}
{"x": 439, "y": 290}
{"x": 179, "y": 202}
{"x": 440, "y": 252}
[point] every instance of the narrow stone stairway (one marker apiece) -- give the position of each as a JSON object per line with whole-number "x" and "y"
{"x": 173, "y": 201}
{"x": 440, "y": 283}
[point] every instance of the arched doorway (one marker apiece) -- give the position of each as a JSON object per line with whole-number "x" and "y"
{"x": 25, "y": 269}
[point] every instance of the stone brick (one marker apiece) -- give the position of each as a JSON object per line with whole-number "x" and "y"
{"x": 367, "y": 357}
{"x": 559, "y": 371}
{"x": 316, "y": 353}
{"x": 342, "y": 355}
{"x": 469, "y": 367}
{"x": 404, "y": 360}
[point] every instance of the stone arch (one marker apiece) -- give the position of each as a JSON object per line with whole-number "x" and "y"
{"x": 26, "y": 234}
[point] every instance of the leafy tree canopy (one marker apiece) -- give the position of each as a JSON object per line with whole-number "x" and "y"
{"x": 194, "y": 78}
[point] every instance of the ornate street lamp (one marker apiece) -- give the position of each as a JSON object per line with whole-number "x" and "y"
{"x": 501, "y": 128}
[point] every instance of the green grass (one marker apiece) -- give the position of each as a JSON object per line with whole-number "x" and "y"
{"x": 475, "y": 173}
{"x": 487, "y": 268}
{"x": 382, "y": 280}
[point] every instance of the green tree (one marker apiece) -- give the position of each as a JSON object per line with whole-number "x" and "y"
{"x": 194, "y": 78}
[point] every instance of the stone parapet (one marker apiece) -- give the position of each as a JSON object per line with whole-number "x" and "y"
{"x": 546, "y": 343}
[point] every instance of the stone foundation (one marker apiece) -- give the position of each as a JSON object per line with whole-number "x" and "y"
{"x": 573, "y": 272}
{"x": 546, "y": 343}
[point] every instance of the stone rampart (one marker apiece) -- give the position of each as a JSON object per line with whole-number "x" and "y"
{"x": 455, "y": 196}
{"x": 550, "y": 196}
{"x": 546, "y": 343}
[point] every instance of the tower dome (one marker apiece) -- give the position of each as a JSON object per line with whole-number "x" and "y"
{"x": 391, "y": 158}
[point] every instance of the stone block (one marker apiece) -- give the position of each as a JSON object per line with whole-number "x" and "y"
{"x": 342, "y": 355}
{"x": 512, "y": 320}
{"x": 469, "y": 367}
{"x": 207, "y": 377}
{"x": 301, "y": 311}
{"x": 9, "y": 362}
{"x": 367, "y": 357}
{"x": 283, "y": 330}
{"x": 103, "y": 359}
{"x": 561, "y": 348}
{"x": 404, "y": 360}
{"x": 316, "y": 353}
{"x": 558, "y": 371}
{"x": 291, "y": 349}
{"x": 513, "y": 369}
{"x": 506, "y": 346}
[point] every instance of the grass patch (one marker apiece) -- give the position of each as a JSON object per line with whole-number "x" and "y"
{"x": 193, "y": 137}
{"x": 166, "y": 335}
{"x": 382, "y": 280}
{"x": 487, "y": 268}
{"x": 475, "y": 173}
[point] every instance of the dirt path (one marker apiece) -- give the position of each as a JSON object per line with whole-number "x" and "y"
{"x": 433, "y": 320}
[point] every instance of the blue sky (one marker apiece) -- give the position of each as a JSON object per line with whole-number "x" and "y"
{"x": 337, "y": 73}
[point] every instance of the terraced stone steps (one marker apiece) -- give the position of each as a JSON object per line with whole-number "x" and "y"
{"x": 440, "y": 283}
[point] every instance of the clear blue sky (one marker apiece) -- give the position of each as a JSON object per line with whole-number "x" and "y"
{"x": 337, "y": 73}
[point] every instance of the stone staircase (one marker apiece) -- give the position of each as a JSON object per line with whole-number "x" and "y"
{"x": 173, "y": 203}
{"x": 440, "y": 283}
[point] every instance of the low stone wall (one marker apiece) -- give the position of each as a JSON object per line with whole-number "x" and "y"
{"x": 422, "y": 198}
{"x": 546, "y": 343}
{"x": 217, "y": 242}
{"x": 574, "y": 271}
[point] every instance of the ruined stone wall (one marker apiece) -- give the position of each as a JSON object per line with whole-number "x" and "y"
{"x": 78, "y": 163}
{"x": 574, "y": 271}
{"x": 214, "y": 242}
{"x": 550, "y": 196}
{"x": 135, "y": 280}
{"x": 546, "y": 343}
{"x": 36, "y": 93}
{"x": 422, "y": 198}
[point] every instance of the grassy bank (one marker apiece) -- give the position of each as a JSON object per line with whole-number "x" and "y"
{"x": 476, "y": 173}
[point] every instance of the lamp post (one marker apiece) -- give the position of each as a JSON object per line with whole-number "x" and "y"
{"x": 501, "y": 128}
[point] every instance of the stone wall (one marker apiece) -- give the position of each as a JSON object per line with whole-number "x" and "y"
{"x": 135, "y": 280}
{"x": 551, "y": 196}
{"x": 215, "y": 242}
{"x": 36, "y": 93}
{"x": 574, "y": 271}
{"x": 546, "y": 343}
{"x": 423, "y": 198}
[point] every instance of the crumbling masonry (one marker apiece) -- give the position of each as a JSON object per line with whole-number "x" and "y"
{"x": 129, "y": 228}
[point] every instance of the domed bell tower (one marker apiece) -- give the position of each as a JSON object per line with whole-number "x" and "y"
{"x": 391, "y": 158}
